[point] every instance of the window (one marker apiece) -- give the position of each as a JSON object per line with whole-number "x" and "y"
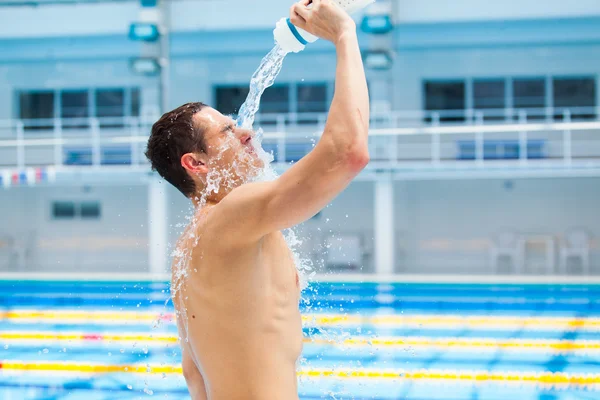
{"x": 530, "y": 93}
{"x": 447, "y": 97}
{"x": 110, "y": 107}
{"x": 574, "y": 93}
{"x": 72, "y": 210}
{"x": 74, "y": 104}
{"x": 36, "y": 106}
{"x": 230, "y": 98}
{"x": 489, "y": 94}
{"x": 63, "y": 210}
{"x": 90, "y": 210}
{"x": 311, "y": 98}
{"x": 275, "y": 99}
{"x": 135, "y": 102}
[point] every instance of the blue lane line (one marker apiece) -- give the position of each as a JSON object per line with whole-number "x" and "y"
{"x": 311, "y": 297}
{"x": 424, "y": 289}
{"x": 87, "y": 386}
{"x": 364, "y": 331}
{"x": 589, "y": 308}
{"x": 128, "y": 352}
{"x": 326, "y": 359}
{"x": 311, "y": 309}
{"x": 451, "y": 332}
{"x": 81, "y": 390}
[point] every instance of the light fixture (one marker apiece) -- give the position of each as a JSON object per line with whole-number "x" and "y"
{"x": 144, "y": 31}
{"x": 145, "y": 66}
{"x": 148, "y": 3}
{"x": 378, "y": 59}
{"x": 376, "y": 24}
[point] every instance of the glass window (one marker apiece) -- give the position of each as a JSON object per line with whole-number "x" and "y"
{"x": 530, "y": 93}
{"x": 275, "y": 99}
{"x": 90, "y": 210}
{"x": 448, "y": 98}
{"x": 135, "y": 102}
{"x": 110, "y": 107}
{"x": 312, "y": 98}
{"x": 576, "y": 94}
{"x": 74, "y": 108}
{"x": 230, "y": 98}
{"x": 110, "y": 102}
{"x": 63, "y": 210}
{"x": 490, "y": 94}
{"x": 37, "y": 105}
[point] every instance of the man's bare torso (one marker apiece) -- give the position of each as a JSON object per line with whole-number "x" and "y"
{"x": 240, "y": 307}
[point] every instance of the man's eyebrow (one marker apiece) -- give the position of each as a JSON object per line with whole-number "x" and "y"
{"x": 227, "y": 126}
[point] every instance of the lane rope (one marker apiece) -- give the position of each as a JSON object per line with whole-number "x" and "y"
{"x": 590, "y": 381}
{"x": 312, "y": 320}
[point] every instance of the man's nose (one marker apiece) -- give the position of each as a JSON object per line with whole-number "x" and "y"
{"x": 245, "y": 135}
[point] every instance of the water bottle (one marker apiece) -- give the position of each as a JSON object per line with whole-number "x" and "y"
{"x": 293, "y": 39}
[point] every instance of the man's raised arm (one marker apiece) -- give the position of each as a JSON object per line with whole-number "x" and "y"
{"x": 342, "y": 152}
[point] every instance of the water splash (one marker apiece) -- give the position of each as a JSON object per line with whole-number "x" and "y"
{"x": 264, "y": 77}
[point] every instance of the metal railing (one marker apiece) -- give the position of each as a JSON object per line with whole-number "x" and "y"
{"x": 425, "y": 139}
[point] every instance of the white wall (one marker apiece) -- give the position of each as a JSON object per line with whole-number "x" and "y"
{"x": 449, "y": 224}
{"x": 441, "y": 226}
{"x": 115, "y": 243}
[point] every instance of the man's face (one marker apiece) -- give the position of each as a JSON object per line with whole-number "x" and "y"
{"x": 232, "y": 158}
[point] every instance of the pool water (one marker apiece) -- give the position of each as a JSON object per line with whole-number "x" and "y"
{"x": 117, "y": 340}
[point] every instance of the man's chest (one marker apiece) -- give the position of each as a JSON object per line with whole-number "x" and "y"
{"x": 280, "y": 261}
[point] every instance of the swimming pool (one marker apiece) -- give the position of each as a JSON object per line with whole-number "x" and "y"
{"x": 416, "y": 341}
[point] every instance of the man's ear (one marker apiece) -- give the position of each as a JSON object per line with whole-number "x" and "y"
{"x": 195, "y": 163}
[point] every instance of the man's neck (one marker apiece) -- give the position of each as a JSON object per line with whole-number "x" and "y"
{"x": 200, "y": 201}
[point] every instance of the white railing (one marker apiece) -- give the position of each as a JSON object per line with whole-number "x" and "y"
{"x": 474, "y": 138}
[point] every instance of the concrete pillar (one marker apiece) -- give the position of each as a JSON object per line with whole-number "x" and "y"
{"x": 384, "y": 226}
{"x": 157, "y": 226}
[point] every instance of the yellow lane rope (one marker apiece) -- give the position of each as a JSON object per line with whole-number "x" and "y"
{"x": 545, "y": 378}
{"x": 389, "y": 320}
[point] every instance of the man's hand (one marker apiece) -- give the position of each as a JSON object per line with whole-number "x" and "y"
{"x": 322, "y": 18}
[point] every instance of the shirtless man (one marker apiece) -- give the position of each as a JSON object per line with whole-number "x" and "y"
{"x": 237, "y": 301}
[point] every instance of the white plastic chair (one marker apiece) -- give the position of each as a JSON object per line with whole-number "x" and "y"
{"x": 509, "y": 245}
{"x": 575, "y": 245}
